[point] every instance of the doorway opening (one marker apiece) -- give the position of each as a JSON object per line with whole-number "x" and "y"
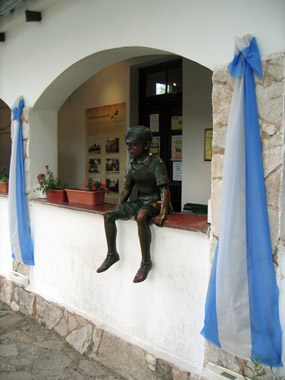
{"x": 160, "y": 109}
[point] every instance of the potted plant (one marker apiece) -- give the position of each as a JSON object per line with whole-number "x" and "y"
{"x": 4, "y": 179}
{"x": 51, "y": 186}
{"x": 92, "y": 194}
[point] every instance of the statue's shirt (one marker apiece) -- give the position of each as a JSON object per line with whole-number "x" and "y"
{"x": 147, "y": 176}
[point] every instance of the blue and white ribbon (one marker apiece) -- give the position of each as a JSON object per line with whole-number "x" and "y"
{"x": 241, "y": 312}
{"x": 20, "y": 236}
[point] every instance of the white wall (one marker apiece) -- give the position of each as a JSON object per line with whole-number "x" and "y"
{"x": 5, "y": 247}
{"x": 201, "y": 31}
{"x": 197, "y": 116}
{"x": 164, "y": 314}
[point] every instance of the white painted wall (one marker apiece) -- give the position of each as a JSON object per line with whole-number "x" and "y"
{"x": 202, "y": 31}
{"x": 5, "y": 247}
{"x": 197, "y": 116}
{"x": 163, "y": 314}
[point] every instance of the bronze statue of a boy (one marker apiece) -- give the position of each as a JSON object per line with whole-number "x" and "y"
{"x": 148, "y": 173}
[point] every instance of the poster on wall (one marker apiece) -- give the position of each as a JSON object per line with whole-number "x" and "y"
{"x": 105, "y": 147}
{"x": 154, "y": 122}
{"x": 155, "y": 145}
{"x": 177, "y": 171}
{"x": 176, "y": 147}
{"x": 176, "y": 123}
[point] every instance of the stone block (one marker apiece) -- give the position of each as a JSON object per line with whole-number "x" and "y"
{"x": 61, "y": 328}
{"x": 6, "y": 292}
{"x": 272, "y": 159}
{"x": 49, "y": 313}
{"x": 217, "y": 166}
{"x": 275, "y": 68}
{"x": 124, "y": 358}
{"x": 177, "y": 374}
{"x": 272, "y": 186}
{"x": 220, "y": 75}
{"x": 26, "y": 302}
{"x": 81, "y": 339}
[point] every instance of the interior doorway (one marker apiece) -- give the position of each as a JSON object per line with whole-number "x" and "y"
{"x": 160, "y": 109}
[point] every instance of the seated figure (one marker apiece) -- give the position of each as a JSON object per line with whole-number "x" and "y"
{"x": 148, "y": 173}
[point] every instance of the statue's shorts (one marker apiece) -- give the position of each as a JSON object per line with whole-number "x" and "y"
{"x": 127, "y": 210}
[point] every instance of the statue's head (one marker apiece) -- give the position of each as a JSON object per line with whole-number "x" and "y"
{"x": 140, "y": 133}
{"x": 138, "y": 140}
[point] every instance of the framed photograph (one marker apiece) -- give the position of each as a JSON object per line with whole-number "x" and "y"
{"x": 94, "y": 165}
{"x": 94, "y": 179}
{"x": 154, "y": 122}
{"x": 94, "y": 147}
{"x": 208, "y": 140}
{"x": 112, "y": 165}
{"x": 113, "y": 185}
{"x": 113, "y": 145}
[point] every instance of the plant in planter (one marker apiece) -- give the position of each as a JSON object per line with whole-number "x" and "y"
{"x": 92, "y": 194}
{"x": 4, "y": 179}
{"x": 51, "y": 186}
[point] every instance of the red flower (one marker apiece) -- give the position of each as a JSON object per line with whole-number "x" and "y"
{"x": 103, "y": 185}
{"x": 94, "y": 188}
{"x": 46, "y": 166}
{"x": 85, "y": 185}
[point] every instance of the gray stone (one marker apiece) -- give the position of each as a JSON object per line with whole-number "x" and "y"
{"x": 50, "y": 313}
{"x": 163, "y": 370}
{"x": 180, "y": 375}
{"x": 81, "y": 339}
{"x": 220, "y": 76}
{"x": 276, "y": 68}
{"x": 61, "y": 328}
{"x": 6, "y": 291}
{"x": 124, "y": 358}
{"x": 26, "y": 301}
{"x": 15, "y": 306}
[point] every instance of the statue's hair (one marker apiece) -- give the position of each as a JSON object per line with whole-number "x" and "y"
{"x": 140, "y": 132}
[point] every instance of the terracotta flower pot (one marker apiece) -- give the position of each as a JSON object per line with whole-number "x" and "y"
{"x": 4, "y": 187}
{"x": 80, "y": 196}
{"x": 56, "y": 196}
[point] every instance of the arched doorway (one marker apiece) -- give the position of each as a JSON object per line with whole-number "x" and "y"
{"x": 5, "y": 136}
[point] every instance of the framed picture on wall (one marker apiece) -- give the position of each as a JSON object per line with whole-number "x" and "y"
{"x": 113, "y": 145}
{"x": 94, "y": 147}
{"x": 208, "y": 140}
{"x": 94, "y": 165}
{"x": 112, "y": 165}
{"x": 113, "y": 185}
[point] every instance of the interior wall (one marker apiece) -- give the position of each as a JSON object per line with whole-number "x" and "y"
{"x": 109, "y": 86}
{"x": 197, "y": 116}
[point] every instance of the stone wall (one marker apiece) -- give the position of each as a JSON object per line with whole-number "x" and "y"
{"x": 270, "y": 101}
{"x": 124, "y": 358}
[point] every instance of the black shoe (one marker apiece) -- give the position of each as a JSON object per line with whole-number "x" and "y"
{"x": 143, "y": 272}
{"x": 111, "y": 259}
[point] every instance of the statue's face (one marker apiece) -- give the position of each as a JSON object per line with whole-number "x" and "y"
{"x": 135, "y": 147}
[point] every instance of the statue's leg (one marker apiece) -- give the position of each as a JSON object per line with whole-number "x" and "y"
{"x": 111, "y": 235}
{"x": 143, "y": 221}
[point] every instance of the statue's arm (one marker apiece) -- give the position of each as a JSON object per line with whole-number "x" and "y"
{"x": 124, "y": 194}
{"x": 165, "y": 202}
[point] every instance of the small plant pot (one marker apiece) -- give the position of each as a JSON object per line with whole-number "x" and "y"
{"x": 4, "y": 187}
{"x": 91, "y": 198}
{"x": 56, "y": 196}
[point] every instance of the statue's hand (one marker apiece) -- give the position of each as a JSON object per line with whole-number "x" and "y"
{"x": 160, "y": 220}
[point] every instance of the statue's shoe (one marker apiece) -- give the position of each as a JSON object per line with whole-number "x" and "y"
{"x": 143, "y": 272}
{"x": 111, "y": 259}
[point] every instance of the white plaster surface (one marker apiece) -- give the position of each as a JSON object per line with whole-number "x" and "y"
{"x": 5, "y": 248}
{"x": 163, "y": 314}
{"x": 202, "y": 31}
